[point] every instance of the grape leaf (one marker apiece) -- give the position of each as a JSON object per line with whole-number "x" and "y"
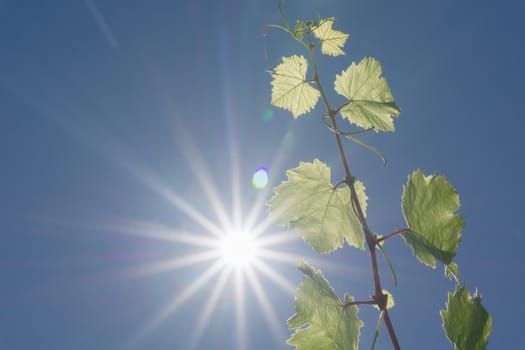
{"x": 299, "y": 30}
{"x": 321, "y": 214}
{"x": 332, "y": 41}
{"x": 290, "y": 90}
{"x": 465, "y": 321}
{"x": 429, "y": 204}
{"x": 330, "y": 324}
{"x": 452, "y": 272}
{"x": 371, "y": 104}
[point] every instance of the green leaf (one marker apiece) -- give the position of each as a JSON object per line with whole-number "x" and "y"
{"x": 332, "y": 41}
{"x": 429, "y": 204}
{"x": 322, "y": 321}
{"x": 321, "y": 214}
{"x": 371, "y": 104}
{"x": 452, "y": 272}
{"x": 466, "y": 322}
{"x": 299, "y": 30}
{"x": 290, "y": 90}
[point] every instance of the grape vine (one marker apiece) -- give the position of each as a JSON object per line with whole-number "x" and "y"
{"x": 327, "y": 215}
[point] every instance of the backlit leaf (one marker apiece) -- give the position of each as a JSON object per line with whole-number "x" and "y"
{"x": 321, "y": 214}
{"x": 332, "y": 41}
{"x": 290, "y": 90}
{"x": 429, "y": 204}
{"x": 299, "y": 30}
{"x": 322, "y": 322}
{"x": 371, "y": 104}
{"x": 465, "y": 321}
{"x": 452, "y": 272}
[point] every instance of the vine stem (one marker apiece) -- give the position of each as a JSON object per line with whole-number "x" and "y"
{"x": 371, "y": 241}
{"x": 395, "y": 233}
{"x": 363, "y": 302}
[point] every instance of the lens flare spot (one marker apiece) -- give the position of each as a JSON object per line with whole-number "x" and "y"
{"x": 267, "y": 115}
{"x": 260, "y": 178}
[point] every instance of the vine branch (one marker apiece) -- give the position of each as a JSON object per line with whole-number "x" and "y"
{"x": 378, "y": 297}
{"x": 379, "y": 109}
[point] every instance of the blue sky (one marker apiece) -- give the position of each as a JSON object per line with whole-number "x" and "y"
{"x": 120, "y": 120}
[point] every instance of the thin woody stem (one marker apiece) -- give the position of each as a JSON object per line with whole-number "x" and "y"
{"x": 359, "y": 302}
{"x": 395, "y": 233}
{"x": 390, "y": 328}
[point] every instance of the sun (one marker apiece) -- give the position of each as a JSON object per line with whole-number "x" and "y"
{"x": 227, "y": 246}
{"x": 238, "y": 249}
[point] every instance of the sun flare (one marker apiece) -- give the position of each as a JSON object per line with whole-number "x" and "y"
{"x": 227, "y": 246}
{"x": 238, "y": 249}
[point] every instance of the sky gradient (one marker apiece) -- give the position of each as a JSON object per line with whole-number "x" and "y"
{"x": 131, "y": 132}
